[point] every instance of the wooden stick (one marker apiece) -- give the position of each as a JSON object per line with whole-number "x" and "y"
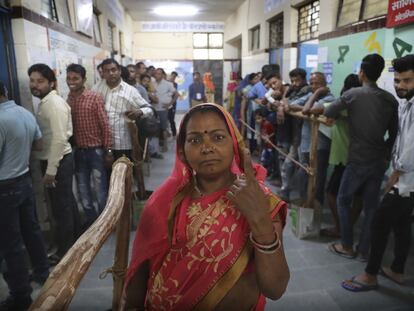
{"x": 145, "y": 148}
{"x": 266, "y": 139}
{"x": 60, "y": 287}
{"x": 122, "y": 242}
{"x": 321, "y": 119}
{"x": 137, "y": 158}
{"x": 313, "y": 164}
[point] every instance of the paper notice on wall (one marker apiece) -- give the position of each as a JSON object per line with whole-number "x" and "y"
{"x": 327, "y": 69}
{"x": 322, "y": 55}
{"x": 311, "y": 61}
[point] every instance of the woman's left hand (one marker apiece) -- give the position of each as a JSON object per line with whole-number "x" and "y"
{"x": 247, "y": 195}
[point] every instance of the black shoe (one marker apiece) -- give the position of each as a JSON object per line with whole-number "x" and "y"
{"x": 157, "y": 156}
{"x": 16, "y": 303}
{"x": 54, "y": 259}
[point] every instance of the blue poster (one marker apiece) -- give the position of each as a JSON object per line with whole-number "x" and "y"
{"x": 308, "y": 57}
{"x": 327, "y": 69}
{"x": 184, "y": 79}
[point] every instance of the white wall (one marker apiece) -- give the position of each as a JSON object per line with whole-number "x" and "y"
{"x": 157, "y": 45}
{"x": 252, "y": 13}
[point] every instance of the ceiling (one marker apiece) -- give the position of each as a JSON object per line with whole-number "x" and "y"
{"x": 210, "y": 10}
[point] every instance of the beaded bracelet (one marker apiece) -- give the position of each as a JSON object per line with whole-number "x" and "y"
{"x": 266, "y": 248}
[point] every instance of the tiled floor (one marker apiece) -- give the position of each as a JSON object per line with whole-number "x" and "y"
{"x": 315, "y": 273}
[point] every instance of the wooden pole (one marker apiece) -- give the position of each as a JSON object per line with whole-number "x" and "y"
{"x": 60, "y": 287}
{"x": 313, "y": 164}
{"x": 137, "y": 158}
{"x": 122, "y": 246}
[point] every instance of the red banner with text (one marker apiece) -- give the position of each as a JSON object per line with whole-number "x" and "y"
{"x": 400, "y": 12}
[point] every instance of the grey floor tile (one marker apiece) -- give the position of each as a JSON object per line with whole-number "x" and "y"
{"x": 95, "y": 299}
{"x": 310, "y": 301}
{"x": 382, "y": 299}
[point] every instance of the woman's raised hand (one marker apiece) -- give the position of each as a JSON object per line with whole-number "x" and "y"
{"x": 247, "y": 196}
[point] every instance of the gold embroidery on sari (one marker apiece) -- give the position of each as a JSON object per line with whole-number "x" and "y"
{"x": 155, "y": 295}
{"x": 201, "y": 225}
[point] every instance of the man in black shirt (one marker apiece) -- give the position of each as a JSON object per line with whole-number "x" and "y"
{"x": 372, "y": 112}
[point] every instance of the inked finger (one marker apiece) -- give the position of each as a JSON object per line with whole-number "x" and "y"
{"x": 247, "y": 164}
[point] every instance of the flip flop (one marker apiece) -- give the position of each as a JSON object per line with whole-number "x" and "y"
{"x": 356, "y": 286}
{"x": 333, "y": 249}
{"x": 382, "y": 272}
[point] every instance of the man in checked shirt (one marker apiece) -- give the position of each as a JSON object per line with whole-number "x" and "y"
{"x": 93, "y": 142}
{"x": 122, "y": 103}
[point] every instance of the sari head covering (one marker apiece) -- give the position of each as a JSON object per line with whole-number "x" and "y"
{"x": 163, "y": 223}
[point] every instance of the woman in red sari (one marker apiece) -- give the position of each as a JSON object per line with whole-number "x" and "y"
{"x": 210, "y": 238}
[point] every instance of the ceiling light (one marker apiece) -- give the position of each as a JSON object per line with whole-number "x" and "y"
{"x": 175, "y": 10}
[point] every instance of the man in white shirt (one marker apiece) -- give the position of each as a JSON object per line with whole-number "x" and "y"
{"x": 397, "y": 205}
{"x": 123, "y": 104}
{"x": 55, "y": 122}
{"x": 167, "y": 95}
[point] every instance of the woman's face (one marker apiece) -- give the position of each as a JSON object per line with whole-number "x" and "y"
{"x": 208, "y": 147}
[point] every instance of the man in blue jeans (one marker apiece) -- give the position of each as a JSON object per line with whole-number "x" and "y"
{"x": 372, "y": 112}
{"x": 93, "y": 141}
{"x": 56, "y": 160}
{"x": 19, "y": 132}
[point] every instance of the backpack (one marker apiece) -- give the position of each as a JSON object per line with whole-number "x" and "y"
{"x": 150, "y": 126}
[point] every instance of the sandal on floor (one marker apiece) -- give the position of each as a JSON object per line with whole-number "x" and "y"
{"x": 382, "y": 272}
{"x": 333, "y": 249}
{"x": 357, "y": 286}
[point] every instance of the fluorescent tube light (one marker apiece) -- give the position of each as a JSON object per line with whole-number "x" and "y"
{"x": 175, "y": 10}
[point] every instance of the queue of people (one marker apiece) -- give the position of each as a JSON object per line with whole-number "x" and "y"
{"x": 77, "y": 137}
{"x": 372, "y": 132}
{"x": 211, "y": 236}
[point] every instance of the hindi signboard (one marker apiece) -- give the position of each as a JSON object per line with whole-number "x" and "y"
{"x": 400, "y": 12}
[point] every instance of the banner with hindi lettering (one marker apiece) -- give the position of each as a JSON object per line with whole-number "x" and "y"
{"x": 400, "y": 12}
{"x": 182, "y": 27}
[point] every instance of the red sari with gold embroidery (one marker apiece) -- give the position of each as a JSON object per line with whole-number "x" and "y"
{"x": 197, "y": 248}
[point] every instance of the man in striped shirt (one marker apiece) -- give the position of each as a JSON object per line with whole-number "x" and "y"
{"x": 93, "y": 142}
{"x": 123, "y": 103}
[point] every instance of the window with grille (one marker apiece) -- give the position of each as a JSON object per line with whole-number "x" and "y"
{"x": 121, "y": 43}
{"x": 255, "y": 38}
{"x": 48, "y": 9}
{"x": 374, "y": 8}
{"x": 96, "y": 28}
{"x": 308, "y": 26}
{"x": 208, "y": 46}
{"x": 111, "y": 36}
{"x": 352, "y": 11}
{"x": 62, "y": 11}
{"x": 349, "y": 12}
{"x": 276, "y": 32}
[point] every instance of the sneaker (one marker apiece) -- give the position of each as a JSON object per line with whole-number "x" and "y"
{"x": 16, "y": 303}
